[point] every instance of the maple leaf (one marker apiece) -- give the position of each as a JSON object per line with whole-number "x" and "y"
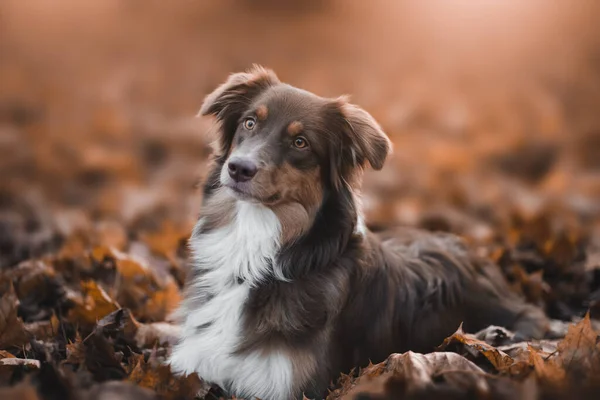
{"x": 548, "y": 370}
{"x": 580, "y": 348}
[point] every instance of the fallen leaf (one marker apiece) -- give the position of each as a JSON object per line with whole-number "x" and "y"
{"x": 5, "y": 354}
{"x": 75, "y": 352}
{"x": 162, "y": 302}
{"x": 547, "y": 370}
{"x": 412, "y": 372}
{"x": 580, "y": 349}
{"x": 165, "y": 241}
{"x": 468, "y": 345}
{"x": 158, "y": 377}
{"x": 139, "y": 288}
{"x": 95, "y": 305}
{"x": 12, "y": 330}
{"x": 22, "y": 391}
{"x": 101, "y": 359}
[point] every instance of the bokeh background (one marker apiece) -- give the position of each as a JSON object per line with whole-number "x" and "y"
{"x": 493, "y": 108}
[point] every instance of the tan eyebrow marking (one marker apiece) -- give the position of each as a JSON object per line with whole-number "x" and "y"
{"x": 295, "y": 127}
{"x": 262, "y": 112}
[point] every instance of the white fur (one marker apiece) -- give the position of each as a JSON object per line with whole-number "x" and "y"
{"x": 361, "y": 226}
{"x": 243, "y": 249}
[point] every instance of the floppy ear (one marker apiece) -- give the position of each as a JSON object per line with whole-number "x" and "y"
{"x": 230, "y": 100}
{"x": 360, "y": 140}
{"x": 367, "y": 140}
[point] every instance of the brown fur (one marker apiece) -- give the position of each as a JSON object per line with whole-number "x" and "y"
{"x": 262, "y": 112}
{"x": 294, "y": 128}
{"x": 295, "y": 220}
{"x": 218, "y": 210}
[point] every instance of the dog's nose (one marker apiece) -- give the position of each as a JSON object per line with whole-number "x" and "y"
{"x": 241, "y": 170}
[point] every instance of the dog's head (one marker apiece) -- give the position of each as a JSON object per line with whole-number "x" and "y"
{"x": 282, "y": 145}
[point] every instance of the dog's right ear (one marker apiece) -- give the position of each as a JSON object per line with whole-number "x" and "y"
{"x": 229, "y": 101}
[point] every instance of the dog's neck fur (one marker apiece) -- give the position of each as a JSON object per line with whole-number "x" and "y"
{"x": 318, "y": 240}
{"x": 251, "y": 239}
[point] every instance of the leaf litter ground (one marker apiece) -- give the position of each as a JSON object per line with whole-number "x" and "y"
{"x": 100, "y": 161}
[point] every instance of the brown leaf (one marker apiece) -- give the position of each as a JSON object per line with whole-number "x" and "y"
{"x": 520, "y": 351}
{"x": 5, "y": 354}
{"x": 166, "y": 240}
{"x": 101, "y": 359}
{"x": 139, "y": 288}
{"x": 12, "y": 330}
{"x": 158, "y": 377}
{"x": 547, "y": 370}
{"x": 163, "y": 302}
{"x": 411, "y": 372}
{"x": 111, "y": 234}
{"x": 22, "y": 391}
{"x": 580, "y": 348}
{"x": 95, "y": 305}
{"x": 469, "y": 346}
{"x": 75, "y": 352}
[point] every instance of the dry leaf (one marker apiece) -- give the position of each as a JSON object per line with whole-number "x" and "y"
{"x": 22, "y": 391}
{"x": 12, "y": 330}
{"x": 580, "y": 349}
{"x": 158, "y": 377}
{"x": 5, "y": 354}
{"x": 548, "y": 370}
{"x": 96, "y": 304}
{"x": 470, "y": 346}
{"x": 166, "y": 240}
{"x": 412, "y": 372}
{"x": 75, "y": 352}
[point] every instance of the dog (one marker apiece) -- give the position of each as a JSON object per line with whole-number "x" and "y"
{"x": 287, "y": 287}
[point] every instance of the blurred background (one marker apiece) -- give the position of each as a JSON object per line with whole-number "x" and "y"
{"x": 493, "y": 107}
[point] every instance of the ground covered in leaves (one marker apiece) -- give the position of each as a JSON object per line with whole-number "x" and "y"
{"x": 496, "y": 136}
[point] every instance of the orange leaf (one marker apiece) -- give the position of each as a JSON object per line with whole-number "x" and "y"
{"x": 96, "y": 304}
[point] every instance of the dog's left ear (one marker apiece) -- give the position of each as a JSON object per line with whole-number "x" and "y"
{"x": 365, "y": 137}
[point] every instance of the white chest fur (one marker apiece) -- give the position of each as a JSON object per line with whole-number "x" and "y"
{"x": 212, "y": 328}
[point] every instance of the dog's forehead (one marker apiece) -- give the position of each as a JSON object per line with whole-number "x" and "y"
{"x": 289, "y": 102}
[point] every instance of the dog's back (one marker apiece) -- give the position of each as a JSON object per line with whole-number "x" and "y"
{"x": 415, "y": 288}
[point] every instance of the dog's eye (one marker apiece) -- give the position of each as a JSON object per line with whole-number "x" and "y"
{"x": 300, "y": 143}
{"x": 249, "y": 123}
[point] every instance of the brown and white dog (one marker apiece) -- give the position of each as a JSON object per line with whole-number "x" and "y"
{"x": 288, "y": 288}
